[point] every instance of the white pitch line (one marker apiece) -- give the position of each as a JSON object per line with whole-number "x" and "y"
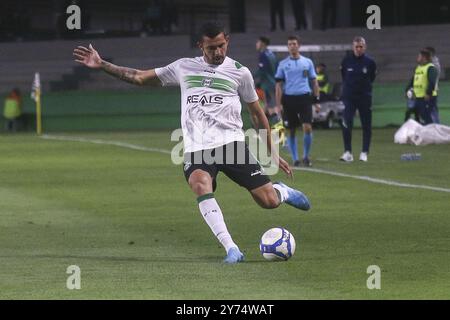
{"x": 333, "y": 173}
{"x": 375, "y": 180}
{"x": 106, "y": 142}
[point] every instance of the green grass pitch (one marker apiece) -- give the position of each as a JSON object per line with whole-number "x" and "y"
{"x": 128, "y": 219}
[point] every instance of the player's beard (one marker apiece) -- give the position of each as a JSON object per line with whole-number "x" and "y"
{"x": 218, "y": 60}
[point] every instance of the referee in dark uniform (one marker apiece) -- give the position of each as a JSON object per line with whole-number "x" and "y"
{"x": 358, "y": 72}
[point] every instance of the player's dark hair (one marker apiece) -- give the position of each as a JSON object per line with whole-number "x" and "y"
{"x": 323, "y": 65}
{"x": 426, "y": 54}
{"x": 211, "y": 30}
{"x": 264, "y": 40}
{"x": 294, "y": 38}
{"x": 432, "y": 50}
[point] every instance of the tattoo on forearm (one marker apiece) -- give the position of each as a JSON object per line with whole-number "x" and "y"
{"x": 123, "y": 73}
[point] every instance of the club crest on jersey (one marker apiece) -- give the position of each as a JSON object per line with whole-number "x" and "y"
{"x": 364, "y": 70}
{"x": 207, "y": 82}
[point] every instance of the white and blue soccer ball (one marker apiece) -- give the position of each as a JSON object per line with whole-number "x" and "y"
{"x": 277, "y": 244}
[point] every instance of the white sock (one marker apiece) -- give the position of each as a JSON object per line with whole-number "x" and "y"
{"x": 281, "y": 191}
{"x": 210, "y": 210}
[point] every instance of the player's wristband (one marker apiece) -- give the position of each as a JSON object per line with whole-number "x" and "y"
{"x": 316, "y": 99}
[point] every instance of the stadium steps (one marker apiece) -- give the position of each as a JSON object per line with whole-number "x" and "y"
{"x": 394, "y": 48}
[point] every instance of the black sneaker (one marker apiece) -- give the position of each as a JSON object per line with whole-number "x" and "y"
{"x": 306, "y": 162}
{"x": 297, "y": 163}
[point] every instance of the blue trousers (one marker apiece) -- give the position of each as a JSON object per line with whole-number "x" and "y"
{"x": 434, "y": 110}
{"x": 424, "y": 108}
{"x": 364, "y": 106}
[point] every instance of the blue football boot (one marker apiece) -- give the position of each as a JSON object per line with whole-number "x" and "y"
{"x": 295, "y": 198}
{"x": 234, "y": 256}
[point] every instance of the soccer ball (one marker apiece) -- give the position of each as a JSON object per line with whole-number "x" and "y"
{"x": 277, "y": 244}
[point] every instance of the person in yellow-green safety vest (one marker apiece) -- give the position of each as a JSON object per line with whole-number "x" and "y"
{"x": 423, "y": 85}
{"x": 322, "y": 78}
{"x": 437, "y": 64}
{"x": 12, "y": 110}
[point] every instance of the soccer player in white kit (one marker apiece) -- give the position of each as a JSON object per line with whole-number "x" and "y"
{"x": 211, "y": 88}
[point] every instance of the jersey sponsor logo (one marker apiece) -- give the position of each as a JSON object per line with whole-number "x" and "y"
{"x": 187, "y": 165}
{"x": 195, "y": 98}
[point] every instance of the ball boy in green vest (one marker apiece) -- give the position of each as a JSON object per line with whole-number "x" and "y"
{"x": 423, "y": 85}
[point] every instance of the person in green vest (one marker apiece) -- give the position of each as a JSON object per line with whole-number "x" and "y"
{"x": 12, "y": 110}
{"x": 322, "y": 78}
{"x": 423, "y": 85}
{"x": 437, "y": 64}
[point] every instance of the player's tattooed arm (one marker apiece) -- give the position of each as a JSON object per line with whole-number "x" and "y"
{"x": 130, "y": 75}
{"x": 91, "y": 58}
{"x": 123, "y": 73}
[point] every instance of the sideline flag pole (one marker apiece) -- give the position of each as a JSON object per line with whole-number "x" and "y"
{"x": 36, "y": 96}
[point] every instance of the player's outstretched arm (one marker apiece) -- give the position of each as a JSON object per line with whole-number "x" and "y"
{"x": 91, "y": 58}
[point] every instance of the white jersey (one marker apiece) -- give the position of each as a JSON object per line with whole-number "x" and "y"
{"x": 210, "y": 103}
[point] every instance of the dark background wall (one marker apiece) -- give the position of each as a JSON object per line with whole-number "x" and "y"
{"x": 403, "y": 12}
{"x": 22, "y": 20}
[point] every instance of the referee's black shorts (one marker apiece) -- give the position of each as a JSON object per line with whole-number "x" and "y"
{"x": 234, "y": 159}
{"x": 297, "y": 110}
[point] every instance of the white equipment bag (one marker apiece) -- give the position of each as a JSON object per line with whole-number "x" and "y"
{"x": 413, "y": 132}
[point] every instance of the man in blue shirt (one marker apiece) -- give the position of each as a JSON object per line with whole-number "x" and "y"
{"x": 358, "y": 72}
{"x": 295, "y": 98}
{"x": 265, "y": 76}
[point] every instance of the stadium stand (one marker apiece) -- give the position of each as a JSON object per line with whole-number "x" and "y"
{"x": 395, "y": 55}
{"x": 118, "y": 36}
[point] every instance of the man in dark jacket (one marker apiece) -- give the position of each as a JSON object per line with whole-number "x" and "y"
{"x": 358, "y": 72}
